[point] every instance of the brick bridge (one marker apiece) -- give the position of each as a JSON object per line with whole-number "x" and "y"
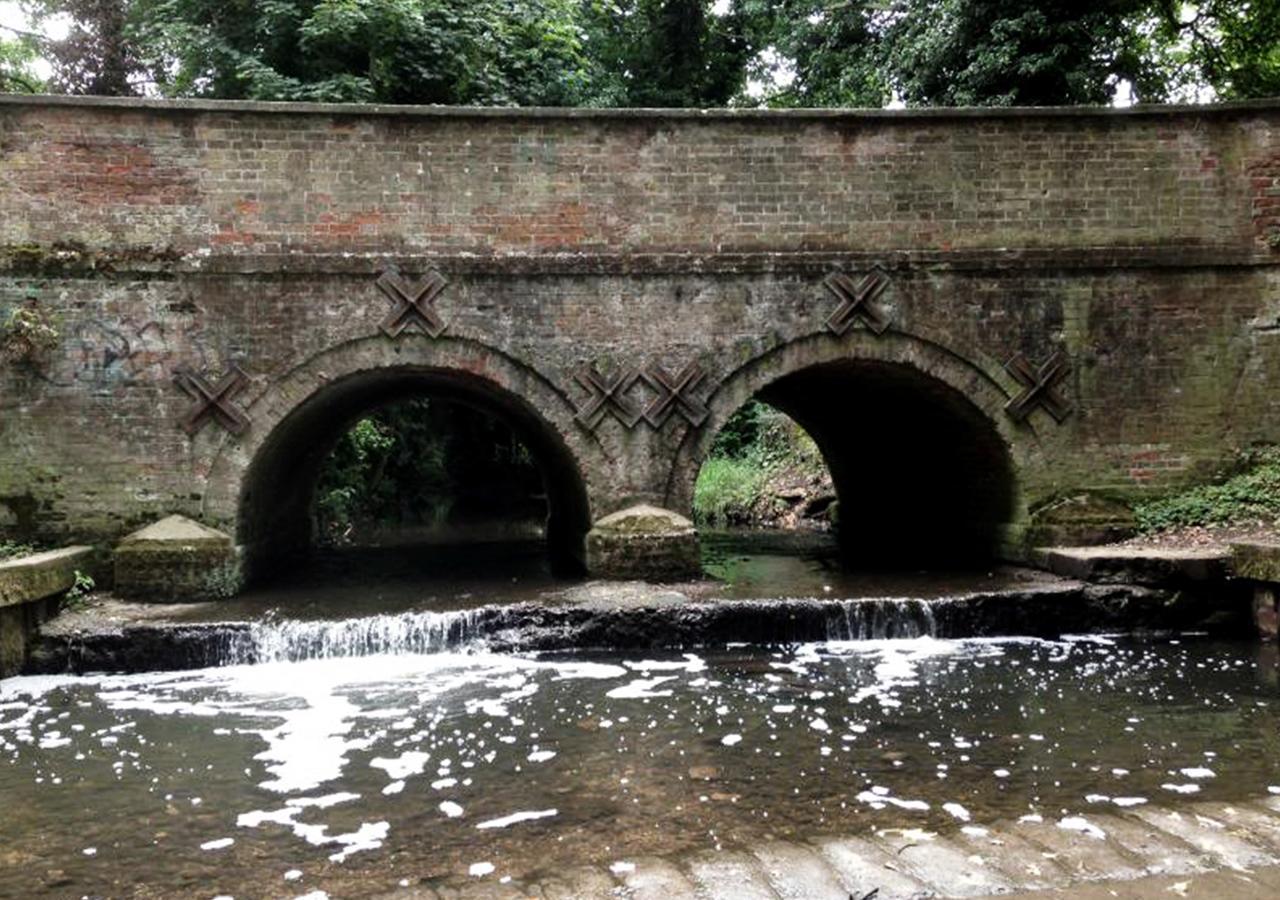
{"x": 998, "y": 326}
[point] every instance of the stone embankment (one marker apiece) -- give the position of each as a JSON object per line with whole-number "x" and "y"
{"x": 1249, "y": 566}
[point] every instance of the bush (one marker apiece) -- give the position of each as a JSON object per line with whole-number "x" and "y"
{"x": 1251, "y": 495}
{"x": 727, "y": 489}
{"x": 11, "y": 549}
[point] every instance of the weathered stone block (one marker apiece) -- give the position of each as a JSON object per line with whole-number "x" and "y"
{"x": 26, "y": 584}
{"x": 29, "y": 578}
{"x": 644, "y": 542}
{"x": 1266, "y": 614}
{"x": 177, "y": 559}
{"x": 1135, "y": 565}
{"x": 1257, "y": 561}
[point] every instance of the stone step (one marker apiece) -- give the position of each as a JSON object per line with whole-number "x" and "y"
{"x": 946, "y": 868}
{"x": 863, "y": 868}
{"x": 800, "y": 872}
{"x": 1208, "y": 835}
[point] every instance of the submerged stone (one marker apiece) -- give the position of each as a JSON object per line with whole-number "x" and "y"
{"x": 177, "y": 559}
{"x": 644, "y": 542}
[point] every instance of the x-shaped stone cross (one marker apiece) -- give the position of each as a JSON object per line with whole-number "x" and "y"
{"x": 413, "y": 303}
{"x": 608, "y": 397}
{"x": 857, "y": 301}
{"x": 213, "y": 401}
{"x": 674, "y": 395}
{"x": 1039, "y": 386}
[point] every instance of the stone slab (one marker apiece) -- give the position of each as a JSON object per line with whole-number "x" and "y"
{"x": 39, "y": 575}
{"x": 1135, "y": 565}
{"x": 1256, "y": 560}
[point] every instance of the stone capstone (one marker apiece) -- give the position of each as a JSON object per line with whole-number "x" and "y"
{"x": 177, "y": 559}
{"x": 644, "y": 542}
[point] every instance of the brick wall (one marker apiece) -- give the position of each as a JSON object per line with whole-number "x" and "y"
{"x": 1143, "y": 244}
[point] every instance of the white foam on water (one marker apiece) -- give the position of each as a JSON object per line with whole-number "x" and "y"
{"x": 480, "y": 869}
{"x": 412, "y": 762}
{"x": 1182, "y": 788}
{"x": 518, "y": 817}
{"x": 219, "y": 844}
{"x": 450, "y": 809}
{"x": 957, "y": 811}
{"x": 1197, "y": 774}
{"x": 730, "y": 740}
{"x": 541, "y": 755}
{"x": 1082, "y": 825}
{"x": 641, "y": 687}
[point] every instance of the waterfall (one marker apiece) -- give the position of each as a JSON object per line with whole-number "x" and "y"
{"x": 862, "y": 620}
{"x": 293, "y": 640}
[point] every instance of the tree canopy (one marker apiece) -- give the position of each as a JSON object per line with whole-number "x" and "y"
{"x": 658, "y": 52}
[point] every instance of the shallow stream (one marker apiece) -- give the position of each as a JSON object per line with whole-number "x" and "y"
{"x": 360, "y": 775}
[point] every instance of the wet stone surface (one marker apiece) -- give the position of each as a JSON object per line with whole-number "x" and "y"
{"x": 957, "y": 767}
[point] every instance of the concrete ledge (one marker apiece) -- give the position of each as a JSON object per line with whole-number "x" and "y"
{"x": 40, "y": 575}
{"x": 1135, "y": 565}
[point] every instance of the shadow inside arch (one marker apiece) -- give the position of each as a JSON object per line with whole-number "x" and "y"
{"x": 925, "y": 470}
{"x": 276, "y": 523}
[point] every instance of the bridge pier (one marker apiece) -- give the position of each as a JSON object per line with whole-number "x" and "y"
{"x": 644, "y": 542}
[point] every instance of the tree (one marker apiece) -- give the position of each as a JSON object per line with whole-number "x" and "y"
{"x": 96, "y": 56}
{"x": 18, "y": 53}
{"x": 1230, "y": 45}
{"x": 672, "y": 53}
{"x": 392, "y": 51}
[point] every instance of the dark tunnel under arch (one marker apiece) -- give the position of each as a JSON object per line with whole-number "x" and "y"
{"x": 922, "y": 475}
{"x": 275, "y": 520}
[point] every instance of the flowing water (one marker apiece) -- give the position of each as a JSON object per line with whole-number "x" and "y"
{"x": 356, "y": 774}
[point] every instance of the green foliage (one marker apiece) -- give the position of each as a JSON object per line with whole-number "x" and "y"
{"x": 425, "y": 463}
{"x": 12, "y": 549}
{"x": 656, "y": 52}
{"x": 29, "y": 333}
{"x": 1251, "y": 495}
{"x": 756, "y": 443}
{"x": 79, "y": 590}
{"x": 18, "y": 53}
{"x": 726, "y": 489}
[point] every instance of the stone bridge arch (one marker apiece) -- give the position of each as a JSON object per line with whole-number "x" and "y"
{"x": 871, "y": 402}
{"x": 264, "y": 481}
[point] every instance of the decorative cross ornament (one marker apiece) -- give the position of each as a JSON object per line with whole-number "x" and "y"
{"x": 607, "y": 397}
{"x": 1039, "y": 386}
{"x": 858, "y": 301}
{"x": 213, "y": 402}
{"x": 413, "y": 303}
{"x": 674, "y": 395}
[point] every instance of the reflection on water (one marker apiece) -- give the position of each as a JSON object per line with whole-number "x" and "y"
{"x": 356, "y": 775}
